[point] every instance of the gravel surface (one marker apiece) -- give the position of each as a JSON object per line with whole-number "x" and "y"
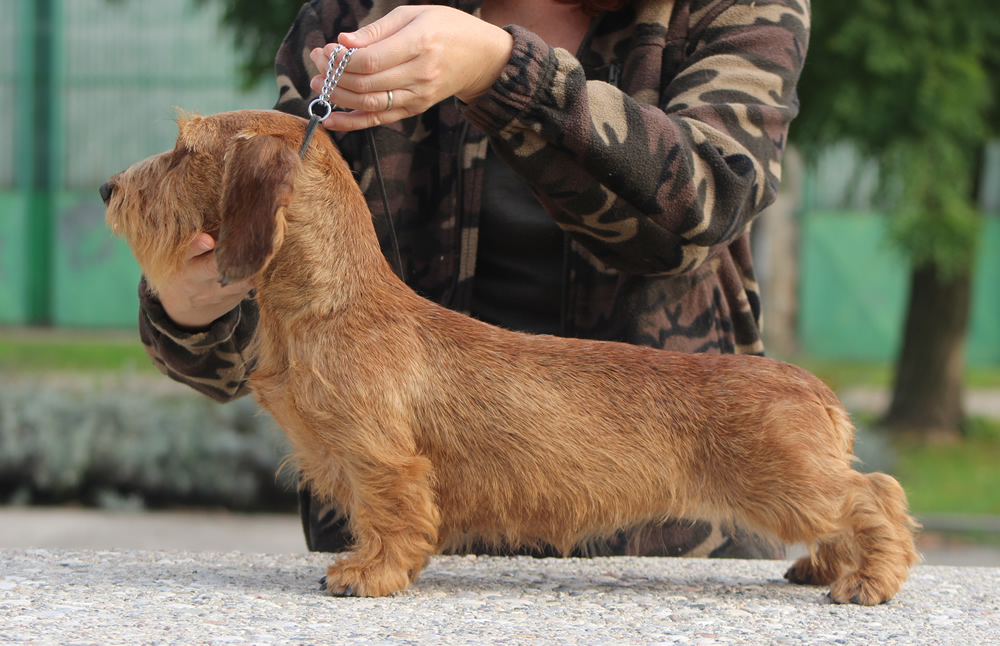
{"x": 135, "y": 597}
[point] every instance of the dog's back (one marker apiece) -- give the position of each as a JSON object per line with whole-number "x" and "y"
{"x": 583, "y": 437}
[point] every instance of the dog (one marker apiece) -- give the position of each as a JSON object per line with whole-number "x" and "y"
{"x": 432, "y": 429}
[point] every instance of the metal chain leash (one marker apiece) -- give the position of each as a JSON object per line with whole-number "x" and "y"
{"x": 334, "y": 71}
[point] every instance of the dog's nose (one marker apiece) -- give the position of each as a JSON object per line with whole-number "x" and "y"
{"x": 106, "y": 190}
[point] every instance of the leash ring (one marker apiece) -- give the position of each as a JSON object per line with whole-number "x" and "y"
{"x": 321, "y": 103}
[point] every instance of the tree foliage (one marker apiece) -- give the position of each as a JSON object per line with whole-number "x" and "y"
{"x": 913, "y": 85}
{"x": 257, "y": 27}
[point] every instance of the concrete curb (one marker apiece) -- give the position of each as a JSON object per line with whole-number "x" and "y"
{"x": 133, "y": 597}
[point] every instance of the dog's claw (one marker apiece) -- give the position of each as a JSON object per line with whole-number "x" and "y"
{"x": 347, "y": 592}
{"x": 324, "y": 587}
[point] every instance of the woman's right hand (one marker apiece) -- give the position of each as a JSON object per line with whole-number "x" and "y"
{"x": 422, "y": 54}
{"x": 194, "y": 298}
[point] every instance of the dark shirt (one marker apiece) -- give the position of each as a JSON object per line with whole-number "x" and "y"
{"x": 519, "y": 264}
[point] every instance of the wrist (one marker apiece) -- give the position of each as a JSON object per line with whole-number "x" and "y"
{"x": 498, "y": 49}
{"x": 197, "y": 321}
{"x": 191, "y": 326}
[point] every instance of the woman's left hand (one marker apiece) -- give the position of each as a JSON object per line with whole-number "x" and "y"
{"x": 422, "y": 55}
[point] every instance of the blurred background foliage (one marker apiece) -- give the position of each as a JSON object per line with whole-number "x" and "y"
{"x": 257, "y": 28}
{"x": 914, "y": 86}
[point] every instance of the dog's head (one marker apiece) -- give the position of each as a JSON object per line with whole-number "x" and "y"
{"x": 230, "y": 175}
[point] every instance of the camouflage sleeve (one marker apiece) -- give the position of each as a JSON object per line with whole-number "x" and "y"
{"x": 658, "y": 175}
{"x": 214, "y": 362}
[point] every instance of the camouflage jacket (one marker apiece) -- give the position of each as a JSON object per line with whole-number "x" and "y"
{"x": 654, "y": 147}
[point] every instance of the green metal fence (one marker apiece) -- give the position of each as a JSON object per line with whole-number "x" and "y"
{"x": 854, "y": 283}
{"x": 88, "y": 87}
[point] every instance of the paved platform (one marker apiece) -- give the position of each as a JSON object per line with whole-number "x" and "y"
{"x": 177, "y": 597}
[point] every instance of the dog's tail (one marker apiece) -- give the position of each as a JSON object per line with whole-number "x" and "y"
{"x": 843, "y": 427}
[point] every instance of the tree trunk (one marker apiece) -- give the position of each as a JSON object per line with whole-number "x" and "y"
{"x": 927, "y": 396}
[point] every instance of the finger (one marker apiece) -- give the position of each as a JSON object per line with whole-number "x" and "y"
{"x": 204, "y": 268}
{"x": 320, "y": 56}
{"x": 384, "y": 56}
{"x": 199, "y": 245}
{"x": 367, "y": 92}
{"x": 359, "y": 119}
{"x": 239, "y": 289}
{"x": 373, "y": 101}
{"x": 394, "y": 78}
{"x": 379, "y": 30}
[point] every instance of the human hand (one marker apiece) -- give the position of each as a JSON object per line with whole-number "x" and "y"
{"x": 194, "y": 298}
{"x": 423, "y": 54}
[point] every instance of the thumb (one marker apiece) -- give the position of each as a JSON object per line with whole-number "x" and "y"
{"x": 380, "y": 29}
{"x": 200, "y": 244}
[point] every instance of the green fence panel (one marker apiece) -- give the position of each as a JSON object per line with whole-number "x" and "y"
{"x": 95, "y": 275}
{"x": 9, "y": 70}
{"x": 854, "y": 287}
{"x": 127, "y": 66}
{"x": 116, "y": 71}
{"x": 13, "y": 259}
{"x": 984, "y": 327}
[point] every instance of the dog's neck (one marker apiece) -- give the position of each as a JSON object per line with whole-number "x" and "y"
{"x": 330, "y": 263}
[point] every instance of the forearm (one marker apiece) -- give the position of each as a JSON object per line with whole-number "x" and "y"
{"x": 215, "y": 362}
{"x": 654, "y": 179}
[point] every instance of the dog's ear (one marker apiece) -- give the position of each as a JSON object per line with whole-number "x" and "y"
{"x": 257, "y": 184}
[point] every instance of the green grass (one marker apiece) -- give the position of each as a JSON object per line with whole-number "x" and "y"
{"x": 952, "y": 478}
{"x": 847, "y": 374}
{"x": 959, "y": 477}
{"x": 850, "y": 374}
{"x": 33, "y": 353}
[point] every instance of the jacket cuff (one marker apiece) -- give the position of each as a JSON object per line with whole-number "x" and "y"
{"x": 220, "y": 331}
{"x": 522, "y": 84}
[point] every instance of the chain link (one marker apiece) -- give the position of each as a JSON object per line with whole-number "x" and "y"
{"x": 333, "y": 73}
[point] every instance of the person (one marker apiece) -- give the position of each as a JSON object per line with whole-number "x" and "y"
{"x": 585, "y": 168}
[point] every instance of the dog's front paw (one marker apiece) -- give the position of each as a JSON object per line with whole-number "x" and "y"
{"x": 349, "y": 579}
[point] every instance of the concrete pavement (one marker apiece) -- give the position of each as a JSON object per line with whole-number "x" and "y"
{"x": 82, "y": 576}
{"x": 177, "y": 597}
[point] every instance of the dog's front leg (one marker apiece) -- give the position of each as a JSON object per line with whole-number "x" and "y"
{"x": 394, "y": 522}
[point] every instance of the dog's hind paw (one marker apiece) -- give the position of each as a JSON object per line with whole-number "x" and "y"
{"x": 862, "y": 590}
{"x": 805, "y": 571}
{"x": 346, "y": 580}
{"x": 346, "y": 592}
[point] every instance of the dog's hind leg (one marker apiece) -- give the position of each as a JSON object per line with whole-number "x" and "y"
{"x": 882, "y": 531}
{"x": 394, "y": 522}
{"x": 826, "y": 560}
{"x": 868, "y": 559}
